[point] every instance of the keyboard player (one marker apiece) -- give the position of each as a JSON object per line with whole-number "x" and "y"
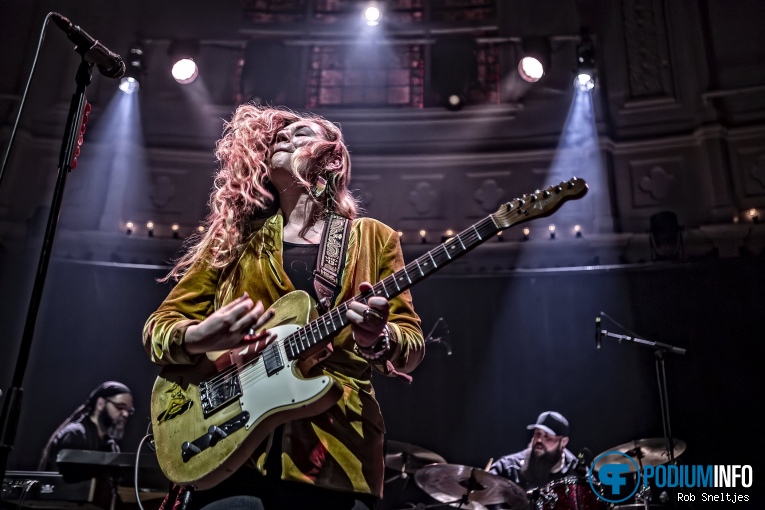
{"x": 97, "y": 425}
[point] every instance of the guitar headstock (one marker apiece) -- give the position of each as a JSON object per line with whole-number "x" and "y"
{"x": 539, "y": 204}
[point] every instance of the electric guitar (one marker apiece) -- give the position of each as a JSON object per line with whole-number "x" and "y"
{"x": 208, "y": 418}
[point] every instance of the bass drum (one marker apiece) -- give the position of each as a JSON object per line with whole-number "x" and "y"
{"x": 568, "y": 494}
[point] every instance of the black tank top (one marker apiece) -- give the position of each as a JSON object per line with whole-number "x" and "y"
{"x": 299, "y": 263}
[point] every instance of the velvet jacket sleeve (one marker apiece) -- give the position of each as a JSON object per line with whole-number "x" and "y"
{"x": 190, "y": 302}
{"x": 372, "y": 236}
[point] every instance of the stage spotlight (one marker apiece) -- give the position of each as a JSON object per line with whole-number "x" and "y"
{"x": 182, "y": 54}
{"x": 531, "y": 69}
{"x": 585, "y": 68}
{"x": 535, "y": 59}
{"x": 455, "y": 102}
{"x": 185, "y": 71}
{"x": 131, "y": 80}
{"x": 372, "y": 14}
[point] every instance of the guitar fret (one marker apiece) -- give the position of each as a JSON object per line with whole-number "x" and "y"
{"x": 394, "y": 281}
{"x": 387, "y": 295}
{"x": 420, "y": 268}
{"x": 446, "y": 251}
{"x": 460, "y": 240}
{"x": 432, "y": 259}
{"x": 476, "y": 233}
{"x": 332, "y": 321}
{"x": 407, "y": 275}
{"x": 311, "y": 341}
{"x": 325, "y": 327}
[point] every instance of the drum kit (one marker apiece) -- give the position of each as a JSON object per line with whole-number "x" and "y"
{"x": 472, "y": 488}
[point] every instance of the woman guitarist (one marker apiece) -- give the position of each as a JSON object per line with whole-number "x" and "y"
{"x": 283, "y": 178}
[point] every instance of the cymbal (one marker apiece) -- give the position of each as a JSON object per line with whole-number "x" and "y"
{"x": 645, "y": 452}
{"x": 473, "y": 487}
{"x": 404, "y": 457}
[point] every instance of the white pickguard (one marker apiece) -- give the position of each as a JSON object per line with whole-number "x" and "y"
{"x": 263, "y": 395}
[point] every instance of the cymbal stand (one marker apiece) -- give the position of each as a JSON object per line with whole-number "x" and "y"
{"x": 660, "y": 350}
{"x": 402, "y": 474}
{"x": 643, "y": 494}
{"x": 470, "y": 487}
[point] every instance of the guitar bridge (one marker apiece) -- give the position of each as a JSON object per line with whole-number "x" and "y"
{"x": 219, "y": 391}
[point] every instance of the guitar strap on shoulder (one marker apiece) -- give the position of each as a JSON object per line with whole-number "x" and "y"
{"x": 331, "y": 259}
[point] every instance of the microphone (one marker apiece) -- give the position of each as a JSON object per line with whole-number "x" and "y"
{"x": 110, "y": 64}
{"x": 598, "y": 334}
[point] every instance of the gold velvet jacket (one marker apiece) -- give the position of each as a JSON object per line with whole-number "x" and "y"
{"x": 342, "y": 448}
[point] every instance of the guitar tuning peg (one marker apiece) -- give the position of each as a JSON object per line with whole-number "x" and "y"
{"x": 533, "y": 198}
{"x": 558, "y": 189}
{"x": 546, "y": 193}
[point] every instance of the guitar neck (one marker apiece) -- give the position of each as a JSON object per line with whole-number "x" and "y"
{"x": 535, "y": 205}
{"x": 333, "y": 321}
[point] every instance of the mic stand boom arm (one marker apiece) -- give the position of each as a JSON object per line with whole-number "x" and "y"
{"x": 12, "y": 405}
{"x": 661, "y": 377}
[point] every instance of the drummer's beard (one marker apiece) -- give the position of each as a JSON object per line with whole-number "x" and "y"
{"x": 537, "y": 468}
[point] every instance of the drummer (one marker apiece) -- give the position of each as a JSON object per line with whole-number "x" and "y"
{"x": 545, "y": 459}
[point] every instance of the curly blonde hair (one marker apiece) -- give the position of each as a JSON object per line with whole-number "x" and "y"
{"x": 242, "y": 191}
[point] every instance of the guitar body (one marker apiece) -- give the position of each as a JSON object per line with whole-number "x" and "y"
{"x": 181, "y": 407}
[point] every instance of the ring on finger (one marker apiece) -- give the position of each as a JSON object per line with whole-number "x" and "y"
{"x": 251, "y": 332}
{"x": 371, "y": 313}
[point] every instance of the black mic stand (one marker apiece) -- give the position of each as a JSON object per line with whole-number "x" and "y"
{"x": 659, "y": 353}
{"x": 12, "y": 406}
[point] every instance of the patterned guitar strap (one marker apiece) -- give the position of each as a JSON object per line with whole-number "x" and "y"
{"x": 329, "y": 272}
{"x": 331, "y": 260}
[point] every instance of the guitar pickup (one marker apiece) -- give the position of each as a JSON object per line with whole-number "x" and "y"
{"x": 215, "y": 433}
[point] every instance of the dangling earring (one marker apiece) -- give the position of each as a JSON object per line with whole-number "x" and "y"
{"x": 319, "y": 187}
